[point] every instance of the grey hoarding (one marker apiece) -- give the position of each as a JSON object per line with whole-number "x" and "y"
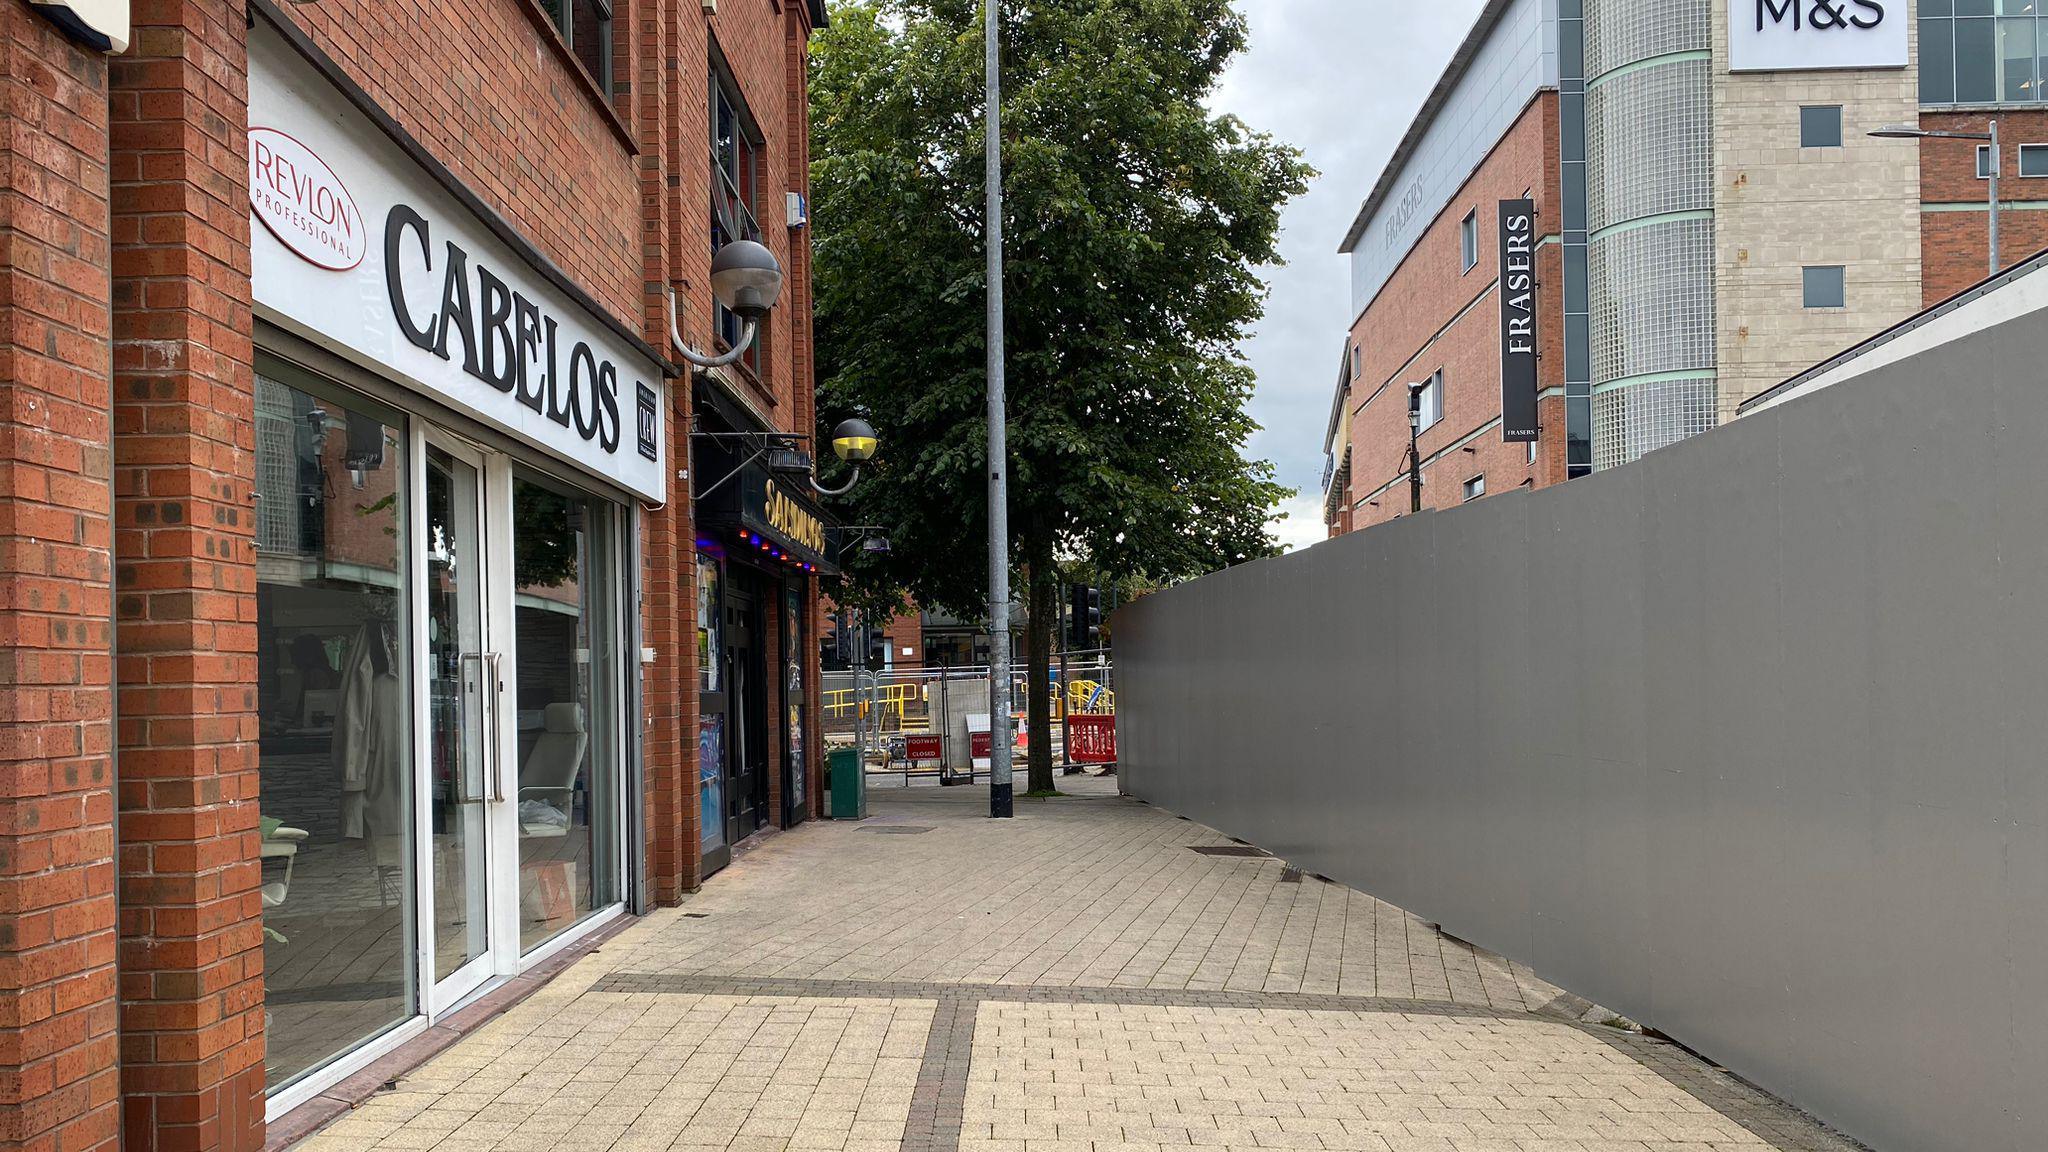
{"x": 1746, "y": 740}
{"x": 1517, "y": 291}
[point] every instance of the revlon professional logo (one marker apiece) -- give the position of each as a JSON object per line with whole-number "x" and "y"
{"x": 303, "y": 203}
{"x": 1798, "y": 35}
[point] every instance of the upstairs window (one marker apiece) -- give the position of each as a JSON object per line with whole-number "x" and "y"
{"x": 1982, "y": 51}
{"x": 1820, "y": 126}
{"x": 1468, "y": 242}
{"x": 735, "y": 196}
{"x": 1432, "y": 403}
{"x": 586, "y": 26}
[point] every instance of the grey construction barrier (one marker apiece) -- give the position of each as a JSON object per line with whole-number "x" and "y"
{"x": 1747, "y": 740}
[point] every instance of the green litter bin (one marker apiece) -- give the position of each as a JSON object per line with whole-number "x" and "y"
{"x": 849, "y": 785}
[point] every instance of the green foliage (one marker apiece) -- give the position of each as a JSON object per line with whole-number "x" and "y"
{"x": 1135, "y": 223}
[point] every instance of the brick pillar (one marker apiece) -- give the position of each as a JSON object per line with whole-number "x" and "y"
{"x": 58, "y": 1050}
{"x": 687, "y": 125}
{"x": 185, "y": 577}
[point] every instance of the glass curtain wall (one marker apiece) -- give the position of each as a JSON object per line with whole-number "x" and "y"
{"x": 568, "y": 645}
{"x": 1982, "y": 51}
{"x": 335, "y": 722}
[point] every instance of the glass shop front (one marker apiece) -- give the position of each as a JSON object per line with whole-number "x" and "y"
{"x": 451, "y": 451}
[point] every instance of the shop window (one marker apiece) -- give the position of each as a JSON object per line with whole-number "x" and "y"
{"x": 1468, "y": 241}
{"x": 2034, "y": 160}
{"x": 586, "y": 26}
{"x": 334, "y": 705}
{"x": 1825, "y": 287}
{"x": 568, "y": 634}
{"x": 735, "y": 195}
{"x": 1981, "y": 51}
{"x": 1820, "y": 126}
{"x": 710, "y": 722}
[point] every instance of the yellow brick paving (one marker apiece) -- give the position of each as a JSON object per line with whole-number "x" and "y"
{"x": 807, "y": 1001}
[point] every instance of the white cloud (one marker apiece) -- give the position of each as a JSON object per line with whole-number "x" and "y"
{"x": 1340, "y": 79}
{"x": 1303, "y": 523}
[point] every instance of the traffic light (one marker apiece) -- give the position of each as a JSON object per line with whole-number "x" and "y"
{"x": 1084, "y": 625}
{"x": 878, "y": 649}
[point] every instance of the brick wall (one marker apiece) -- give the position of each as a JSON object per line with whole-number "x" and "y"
{"x": 1954, "y": 242}
{"x": 58, "y": 1086}
{"x": 489, "y": 87}
{"x": 1434, "y": 315}
{"x": 185, "y": 580}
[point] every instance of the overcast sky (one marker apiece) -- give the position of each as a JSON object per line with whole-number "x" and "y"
{"x": 1339, "y": 79}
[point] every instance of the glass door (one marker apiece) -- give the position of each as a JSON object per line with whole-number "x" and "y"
{"x": 463, "y": 679}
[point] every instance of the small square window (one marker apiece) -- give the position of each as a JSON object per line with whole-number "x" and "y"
{"x": 1826, "y": 287}
{"x": 1475, "y": 488}
{"x": 2034, "y": 160}
{"x": 1820, "y": 126}
{"x": 1468, "y": 240}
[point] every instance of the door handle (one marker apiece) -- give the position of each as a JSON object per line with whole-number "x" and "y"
{"x": 494, "y": 688}
{"x": 476, "y": 741}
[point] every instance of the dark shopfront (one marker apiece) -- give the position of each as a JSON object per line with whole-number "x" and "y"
{"x": 760, "y": 548}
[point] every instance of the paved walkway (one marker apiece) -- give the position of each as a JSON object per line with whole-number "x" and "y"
{"x": 1084, "y": 978}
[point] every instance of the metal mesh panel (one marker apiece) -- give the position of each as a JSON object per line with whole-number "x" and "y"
{"x": 1621, "y": 32}
{"x": 1649, "y": 143}
{"x": 1652, "y": 292}
{"x": 278, "y": 509}
{"x": 1639, "y": 418}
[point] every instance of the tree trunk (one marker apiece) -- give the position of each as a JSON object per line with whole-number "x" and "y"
{"x": 1038, "y": 671}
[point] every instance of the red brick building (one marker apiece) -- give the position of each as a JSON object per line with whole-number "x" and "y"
{"x": 1436, "y": 320}
{"x": 1953, "y": 195}
{"x": 379, "y": 628}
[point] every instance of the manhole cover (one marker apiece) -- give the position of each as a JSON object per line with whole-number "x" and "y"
{"x": 1227, "y": 850}
{"x": 896, "y": 829}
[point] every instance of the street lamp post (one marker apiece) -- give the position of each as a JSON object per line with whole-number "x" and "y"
{"x": 1414, "y": 452}
{"x": 999, "y": 788}
{"x": 1913, "y": 132}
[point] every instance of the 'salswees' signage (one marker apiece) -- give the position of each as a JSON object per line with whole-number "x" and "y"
{"x": 378, "y": 261}
{"x": 1801, "y": 35}
{"x": 1517, "y": 290}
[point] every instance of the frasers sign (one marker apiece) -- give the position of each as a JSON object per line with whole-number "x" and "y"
{"x": 1801, "y": 35}
{"x": 364, "y": 252}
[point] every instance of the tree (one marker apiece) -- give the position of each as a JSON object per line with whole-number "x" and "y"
{"x": 1135, "y": 220}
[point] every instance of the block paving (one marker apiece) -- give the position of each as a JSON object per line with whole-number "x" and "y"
{"x": 1075, "y": 980}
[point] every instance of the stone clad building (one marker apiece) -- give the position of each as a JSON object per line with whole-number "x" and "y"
{"x": 377, "y": 634}
{"x": 1716, "y": 217}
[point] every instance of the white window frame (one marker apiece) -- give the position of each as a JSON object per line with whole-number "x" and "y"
{"x": 1984, "y": 162}
{"x": 2036, "y": 150}
{"x": 1432, "y": 405}
{"x": 1475, "y": 487}
{"x": 1468, "y": 242}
